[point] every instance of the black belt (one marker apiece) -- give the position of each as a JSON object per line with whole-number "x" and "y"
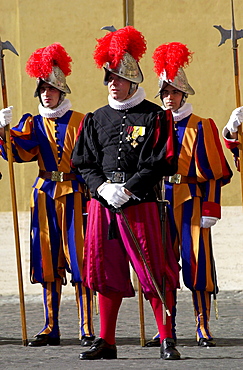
{"x": 118, "y": 176}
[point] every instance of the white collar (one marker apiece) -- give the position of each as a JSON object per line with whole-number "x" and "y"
{"x": 182, "y": 112}
{"x": 57, "y": 112}
{"x": 136, "y": 99}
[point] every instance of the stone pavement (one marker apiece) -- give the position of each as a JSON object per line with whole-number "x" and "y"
{"x": 227, "y": 330}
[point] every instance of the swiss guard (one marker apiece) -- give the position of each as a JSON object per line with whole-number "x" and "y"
{"x": 194, "y": 192}
{"x": 58, "y": 199}
{"x": 124, "y": 149}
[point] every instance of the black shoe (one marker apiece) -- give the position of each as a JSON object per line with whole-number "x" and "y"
{"x": 43, "y": 340}
{"x": 204, "y": 342}
{"x": 153, "y": 343}
{"x": 87, "y": 341}
{"x": 99, "y": 349}
{"x": 168, "y": 350}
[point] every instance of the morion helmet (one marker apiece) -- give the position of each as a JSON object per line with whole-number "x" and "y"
{"x": 168, "y": 62}
{"x": 50, "y": 64}
{"x": 119, "y": 52}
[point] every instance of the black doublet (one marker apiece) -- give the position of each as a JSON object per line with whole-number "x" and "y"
{"x": 107, "y": 143}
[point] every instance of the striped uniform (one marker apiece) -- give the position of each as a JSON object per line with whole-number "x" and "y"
{"x": 201, "y": 158}
{"x": 57, "y": 234}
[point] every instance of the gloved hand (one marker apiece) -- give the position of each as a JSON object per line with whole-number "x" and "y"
{"x": 207, "y": 221}
{"x": 5, "y": 116}
{"x": 236, "y": 118}
{"x": 113, "y": 193}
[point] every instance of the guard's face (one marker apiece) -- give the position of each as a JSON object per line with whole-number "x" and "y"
{"x": 49, "y": 95}
{"x": 118, "y": 87}
{"x": 171, "y": 97}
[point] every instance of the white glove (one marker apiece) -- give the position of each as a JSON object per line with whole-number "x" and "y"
{"x": 236, "y": 118}
{"x": 5, "y": 116}
{"x": 207, "y": 221}
{"x": 113, "y": 193}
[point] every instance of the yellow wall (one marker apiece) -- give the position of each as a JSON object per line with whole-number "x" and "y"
{"x": 31, "y": 24}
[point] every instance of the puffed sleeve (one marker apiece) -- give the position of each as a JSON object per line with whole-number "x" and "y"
{"x": 214, "y": 166}
{"x": 86, "y": 155}
{"x": 25, "y": 146}
{"x": 233, "y": 146}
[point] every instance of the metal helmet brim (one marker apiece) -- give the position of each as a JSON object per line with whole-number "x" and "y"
{"x": 128, "y": 69}
{"x": 56, "y": 79}
{"x": 180, "y": 82}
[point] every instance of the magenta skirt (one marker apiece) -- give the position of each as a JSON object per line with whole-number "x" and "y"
{"x": 106, "y": 262}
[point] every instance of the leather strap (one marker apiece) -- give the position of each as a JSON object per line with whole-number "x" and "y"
{"x": 180, "y": 179}
{"x": 57, "y": 175}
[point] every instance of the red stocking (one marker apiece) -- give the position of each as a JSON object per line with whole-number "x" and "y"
{"x": 164, "y": 330}
{"x": 109, "y": 307}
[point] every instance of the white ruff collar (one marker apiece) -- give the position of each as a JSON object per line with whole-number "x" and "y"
{"x": 182, "y": 112}
{"x": 57, "y": 112}
{"x": 136, "y": 99}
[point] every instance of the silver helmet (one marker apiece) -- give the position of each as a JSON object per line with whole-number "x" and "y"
{"x": 56, "y": 79}
{"x": 180, "y": 82}
{"x": 128, "y": 69}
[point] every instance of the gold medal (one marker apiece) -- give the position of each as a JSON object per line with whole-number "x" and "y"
{"x": 136, "y": 135}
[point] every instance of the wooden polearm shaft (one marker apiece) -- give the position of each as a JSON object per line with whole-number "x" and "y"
{"x": 141, "y": 315}
{"x": 237, "y": 91}
{"x": 235, "y": 35}
{"x": 14, "y": 205}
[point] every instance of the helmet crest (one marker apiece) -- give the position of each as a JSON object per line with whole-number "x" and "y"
{"x": 170, "y": 57}
{"x": 169, "y": 60}
{"x": 112, "y": 47}
{"x": 50, "y": 64}
{"x": 40, "y": 62}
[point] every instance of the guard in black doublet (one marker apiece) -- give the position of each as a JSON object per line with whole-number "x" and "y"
{"x": 123, "y": 150}
{"x": 121, "y": 140}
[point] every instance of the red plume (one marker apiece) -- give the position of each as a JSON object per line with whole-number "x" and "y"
{"x": 40, "y": 62}
{"x": 170, "y": 57}
{"x": 112, "y": 47}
